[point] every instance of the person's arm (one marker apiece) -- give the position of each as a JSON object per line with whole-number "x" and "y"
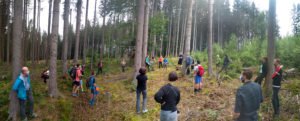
{"x": 178, "y": 97}
{"x": 238, "y": 105}
{"x": 16, "y": 85}
{"x": 158, "y": 96}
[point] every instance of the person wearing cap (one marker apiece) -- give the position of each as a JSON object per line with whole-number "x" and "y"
{"x": 23, "y": 89}
{"x": 248, "y": 98}
{"x": 168, "y": 96}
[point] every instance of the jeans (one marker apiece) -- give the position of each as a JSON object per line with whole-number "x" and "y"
{"x": 123, "y": 68}
{"x": 99, "y": 70}
{"x": 168, "y": 115}
{"x": 275, "y": 100}
{"x": 23, "y": 105}
{"x": 160, "y": 65}
{"x": 138, "y": 93}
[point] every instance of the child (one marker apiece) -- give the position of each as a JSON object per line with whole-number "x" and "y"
{"x": 91, "y": 84}
{"x": 165, "y": 65}
{"x": 199, "y": 72}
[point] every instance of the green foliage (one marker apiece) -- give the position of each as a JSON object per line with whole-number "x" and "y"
{"x": 65, "y": 107}
{"x": 289, "y": 51}
{"x": 157, "y": 24}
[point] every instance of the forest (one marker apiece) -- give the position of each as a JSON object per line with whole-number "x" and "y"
{"x": 114, "y": 39}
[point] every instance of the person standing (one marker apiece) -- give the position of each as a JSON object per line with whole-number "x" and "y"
{"x": 23, "y": 89}
{"x": 277, "y": 78}
{"x": 91, "y": 84}
{"x": 188, "y": 64}
{"x": 160, "y": 62}
{"x": 263, "y": 70}
{"x": 180, "y": 59}
{"x": 248, "y": 99}
{"x": 168, "y": 96}
{"x": 76, "y": 82}
{"x": 198, "y": 72}
{"x": 123, "y": 65}
{"x": 147, "y": 62}
{"x": 225, "y": 64}
{"x": 100, "y": 67}
{"x": 166, "y": 62}
{"x": 141, "y": 88}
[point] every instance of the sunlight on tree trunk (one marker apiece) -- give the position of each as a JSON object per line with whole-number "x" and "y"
{"x": 209, "y": 46}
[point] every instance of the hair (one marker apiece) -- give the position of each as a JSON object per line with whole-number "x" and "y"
{"x": 142, "y": 71}
{"x": 198, "y": 61}
{"x": 265, "y": 59}
{"x": 247, "y": 73}
{"x": 77, "y": 65}
{"x": 277, "y": 60}
{"x": 173, "y": 76}
{"x": 92, "y": 73}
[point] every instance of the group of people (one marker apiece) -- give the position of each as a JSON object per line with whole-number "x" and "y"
{"x": 248, "y": 96}
{"x": 163, "y": 62}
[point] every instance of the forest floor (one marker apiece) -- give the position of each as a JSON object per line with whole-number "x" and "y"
{"x": 117, "y": 100}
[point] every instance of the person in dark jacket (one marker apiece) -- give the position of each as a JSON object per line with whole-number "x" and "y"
{"x": 277, "y": 78}
{"x": 141, "y": 88}
{"x": 262, "y": 71}
{"x": 248, "y": 99}
{"x": 225, "y": 64}
{"x": 168, "y": 96}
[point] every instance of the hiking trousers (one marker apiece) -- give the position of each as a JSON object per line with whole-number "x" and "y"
{"x": 23, "y": 105}
{"x": 275, "y": 100}
{"x": 138, "y": 94}
{"x": 168, "y": 115}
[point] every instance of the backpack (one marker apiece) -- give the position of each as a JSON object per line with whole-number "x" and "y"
{"x": 88, "y": 83}
{"x": 73, "y": 73}
{"x": 200, "y": 71}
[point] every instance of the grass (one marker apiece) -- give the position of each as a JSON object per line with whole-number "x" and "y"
{"x": 117, "y": 99}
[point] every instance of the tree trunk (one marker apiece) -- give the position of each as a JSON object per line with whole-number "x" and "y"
{"x": 188, "y": 33}
{"x": 178, "y": 29}
{"x": 33, "y": 36}
{"x": 16, "y": 61}
{"x": 209, "y": 46}
{"x": 77, "y": 39}
{"x": 66, "y": 36}
{"x": 85, "y": 32}
{"x": 49, "y": 32}
{"x": 38, "y": 32}
{"x": 145, "y": 32}
{"x": 93, "y": 39}
{"x": 271, "y": 46}
{"x": 139, "y": 39}
{"x": 52, "y": 85}
{"x": 154, "y": 46}
{"x": 8, "y": 32}
{"x": 102, "y": 40}
{"x": 170, "y": 35}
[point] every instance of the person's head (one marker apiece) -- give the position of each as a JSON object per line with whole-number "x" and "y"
{"x": 198, "y": 62}
{"x": 264, "y": 59}
{"x": 25, "y": 71}
{"x": 173, "y": 76}
{"x": 277, "y": 62}
{"x": 142, "y": 71}
{"x": 246, "y": 75}
{"x": 77, "y": 65}
{"x": 92, "y": 73}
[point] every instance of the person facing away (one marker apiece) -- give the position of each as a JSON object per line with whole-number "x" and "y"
{"x": 160, "y": 62}
{"x": 168, "y": 96}
{"x": 91, "y": 84}
{"x": 277, "y": 78}
{"x": 165, "y": 62}
{"x": 141, "y": 88}
{"x": 45, "y": 75}
{"x": 23, "y": 89}
{"x": 263, "y": 71}
{"x": 180, "y": 59}
{"x": 147, "y": 62}
{"x": 226, "y": 62}
{"x": 248, "y": 98}
{"x": 123, "y": 65}
{"x": 76, "y": 82}
{"x": 198, "y": 72}
{"x": 100, "y": 67}
{"x": 188, "y": 63}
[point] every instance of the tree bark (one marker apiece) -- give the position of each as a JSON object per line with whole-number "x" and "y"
{"x": 188, "y": 33}
{"x": 52, "y": 85}
{"x": 48, "y": 46}
{"x": 209, "y": 46}
{"x": 17, "y": 41}
{"x": 93, "y": 39}
{"x": 139, "y": 39}
{"x": 66, "y": 36}
{"x": 178, "y": 29}
{"x": 145, "y": 33}
{"x": 271, "y": 47}
{"x": 77, "y": 39}
{"x": 85, "y": 32}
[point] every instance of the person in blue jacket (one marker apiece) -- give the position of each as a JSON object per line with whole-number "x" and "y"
{"x": 23, "y": 89}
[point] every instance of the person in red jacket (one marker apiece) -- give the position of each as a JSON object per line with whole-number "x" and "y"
{"x": 160, "y": 62}
{"x": 277, "y": 78}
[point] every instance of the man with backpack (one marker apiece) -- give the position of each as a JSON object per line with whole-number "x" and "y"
{"x": 188, "y": 63}
{"x": 91, "y": 84}
{"x": 199, "y": 72}
{"x": 225, "y": 64}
